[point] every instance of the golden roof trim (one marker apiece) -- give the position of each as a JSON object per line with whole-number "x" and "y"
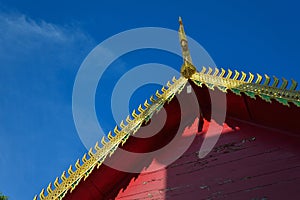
{"x": 250, "y": 84}
{"x": 97, "y": 155}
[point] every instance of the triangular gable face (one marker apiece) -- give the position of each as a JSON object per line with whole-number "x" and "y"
{"x": 245, "y": 93}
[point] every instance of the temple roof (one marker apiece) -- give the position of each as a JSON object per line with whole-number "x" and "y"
{"x": 253, "y": 86}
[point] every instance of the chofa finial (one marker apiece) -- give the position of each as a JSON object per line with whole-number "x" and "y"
{"x": 187, "y": 69}
{"x": 180, "y": 20}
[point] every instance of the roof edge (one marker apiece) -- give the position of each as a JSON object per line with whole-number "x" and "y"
{"x": 237, "y": 82}
{"x": 97, "y": 155}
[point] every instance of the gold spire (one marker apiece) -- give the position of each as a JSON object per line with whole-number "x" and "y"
{"x": 187, "y": 69}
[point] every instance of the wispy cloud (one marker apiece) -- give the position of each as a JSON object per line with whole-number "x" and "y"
{"x": 20, "y": 24}
{"x": 20, "y": 34}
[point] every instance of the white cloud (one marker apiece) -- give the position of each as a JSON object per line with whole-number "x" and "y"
{"x": 22, "y": 25}
{"x": 21, "y": 36}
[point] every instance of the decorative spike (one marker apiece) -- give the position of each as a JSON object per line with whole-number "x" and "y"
{"x": 128, "y": 120}
{"x": 284, "y": 83}
{"x": 236, "y": 75}
{"x": 146, "y": 104}
{"x": 276, "y": 81}
{"x": 113, "y": 150}
{"x": 103, "y": 142}
{"x": 134, "y": 114}
{"x": 244, "y": 75}
{"x": 42, "y": 195}
{"x": 209, "y": 71}
{"x": 63, "y": 176}
{"x": 174, "y": 79}
{"x": 140, "y": 109}
{"x": 157, "y": 94}
{"x": 216, "y": 72}
{"x": 229, "y": 74}
{"x": 163, "y": 89}
{"x": 169, "y": 84}
{"x": 35, "y": 197}
{"x": 110, "y": 137}
{"x": 267, "y": 81}
{"x": 259, "y": 79}
{"x": 100, "y": 162}
{"x": 98, "y": 165}
{"x": 116, "y": 130}
{"x": 91, "y": 154}
{"x": 203, "y": 70}
{"x": 77, "y": 164}
{"x": 84, "y": 159}
{"x": 222, "y": 73}
{"x": 152, "y": 99}
{"x": 56, "y": 183}
{"x": 49, "y": 189}
{"x": 96, "y": 147}
{"x": 122, "y": 125}
{"x": 294, "y": 85}
{"x": 251, "y": 77}
{"x": 70, "y": 170}
{"x": 72, "y": 188}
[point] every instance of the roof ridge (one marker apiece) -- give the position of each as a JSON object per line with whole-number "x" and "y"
{"x": 242, "y": 82}
{"x": 85, "y": 166}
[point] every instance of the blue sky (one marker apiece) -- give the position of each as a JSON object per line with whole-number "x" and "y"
{"x": 43, "y": 43}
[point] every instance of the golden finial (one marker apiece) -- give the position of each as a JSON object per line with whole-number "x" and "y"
{"x": 187, "y": 69}
{"x": 180, "y": 20}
